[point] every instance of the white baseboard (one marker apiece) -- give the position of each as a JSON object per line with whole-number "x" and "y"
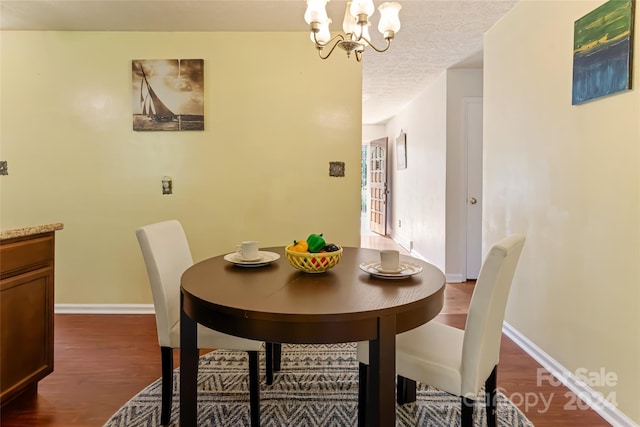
{"x": 403, "y": 241}
{"x": 104, "y": 309}
{"x": 600, "y": 405}
{"x": 455, "y": 278}
{"x": 450, "y": 278}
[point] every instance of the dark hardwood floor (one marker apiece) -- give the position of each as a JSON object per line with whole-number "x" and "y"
{"x": 101, "y": 361}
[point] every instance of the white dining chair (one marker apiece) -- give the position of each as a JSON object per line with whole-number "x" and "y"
{"x": 167, "y": 255}
{"x": 457, "y": 361}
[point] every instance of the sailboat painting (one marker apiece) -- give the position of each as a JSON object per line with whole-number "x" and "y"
{"x": 168, "y": 94}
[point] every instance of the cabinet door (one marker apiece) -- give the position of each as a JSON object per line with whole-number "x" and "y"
{"x": 26, "y": 324}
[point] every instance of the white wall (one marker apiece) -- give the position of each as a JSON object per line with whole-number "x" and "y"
{"x": 419, "y": 191}
{"x": 259, "y": 170}
{"x": 371, "y": 132}
{"x": 568, "y": 177}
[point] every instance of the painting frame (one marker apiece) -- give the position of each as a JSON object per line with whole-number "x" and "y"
{"x": 603, "y": 51}
{"x": 167, "y": 94}
{"x": 401, "y": 151}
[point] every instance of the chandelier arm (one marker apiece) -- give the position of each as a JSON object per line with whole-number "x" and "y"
{"x": 322, "y": 45}
{"x": 335, "y": 40}
{"x": 368, "y": 42}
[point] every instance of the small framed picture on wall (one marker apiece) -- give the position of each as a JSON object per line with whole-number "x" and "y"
{"x": 401, "y": 150}
{"x": 168, "y": 94}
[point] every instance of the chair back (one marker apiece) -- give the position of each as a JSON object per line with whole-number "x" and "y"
{"x": 166, "y": 255}
{"x": 483, "y": 329}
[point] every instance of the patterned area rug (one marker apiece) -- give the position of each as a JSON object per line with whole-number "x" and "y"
{"x": 317, "y": 386}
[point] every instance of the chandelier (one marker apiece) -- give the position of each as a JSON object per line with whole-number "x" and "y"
{"x": 355, "y": 26}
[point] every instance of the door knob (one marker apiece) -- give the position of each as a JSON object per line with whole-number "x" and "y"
{"x": 473, "y": 200}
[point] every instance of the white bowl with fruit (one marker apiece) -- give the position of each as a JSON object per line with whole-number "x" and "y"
{"x": 313, "y": 255}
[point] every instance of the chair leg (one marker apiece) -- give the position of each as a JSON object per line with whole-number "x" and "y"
{"x": 466, "y": 413}
{"x": 363, "y": 387}
{"x": 268, "y": 347}
{"x": 254, "y": 388}
{"x": 273, "y": 360}
{"x": 406, "y": 390}
{"x": 277, "y": 357}
{"x": 490, "y": 387}
{"x": 166, "y": 356}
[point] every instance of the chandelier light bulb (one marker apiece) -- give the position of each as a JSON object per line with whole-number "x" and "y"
{"x": 323, "y": 35}
{"x": 365, "y": 35}
{"x": 349, "y": 24}
{"x": 389, "y": 19}
{"x": 316, "y": 11}
{"x": 362, "y": 7}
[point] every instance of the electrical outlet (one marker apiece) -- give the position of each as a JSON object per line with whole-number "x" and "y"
{"x": 336, "y": 169}
{"x": 167, "y": 185}
{"x": 399, "y": 223}
{"x": 4, "y": 169}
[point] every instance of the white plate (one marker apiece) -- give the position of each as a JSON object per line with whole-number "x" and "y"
{"x": 389, "y": 271}
{"x": 264, "y": 258}
{"x": 407, "y": 269}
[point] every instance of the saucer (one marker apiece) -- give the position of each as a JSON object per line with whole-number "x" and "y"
{"x": 396, "y": 270}
{"x": 264, "y": 258}
{"x": 406, "y": 269}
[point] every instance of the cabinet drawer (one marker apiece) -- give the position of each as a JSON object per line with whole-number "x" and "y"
{"x": 24, "y": 255}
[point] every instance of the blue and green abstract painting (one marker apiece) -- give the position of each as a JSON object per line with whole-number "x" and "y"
{"x": 602, "y": 51}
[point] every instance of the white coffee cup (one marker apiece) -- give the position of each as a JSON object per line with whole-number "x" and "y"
{"x": 389, "y": 260}
{"x": 248, "y": 250}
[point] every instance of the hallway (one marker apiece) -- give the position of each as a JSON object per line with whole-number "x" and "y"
{"x": 369, "y": 239}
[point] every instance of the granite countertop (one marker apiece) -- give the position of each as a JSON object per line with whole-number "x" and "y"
{"x": 29, "y": 231}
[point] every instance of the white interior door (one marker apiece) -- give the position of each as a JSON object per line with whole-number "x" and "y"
{"x": 378, "y": 186}
{"x": 473, "y": 137}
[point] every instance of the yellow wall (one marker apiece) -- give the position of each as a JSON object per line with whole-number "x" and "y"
{"x": 568, "y": 177}
{"x": 275, "y": 116}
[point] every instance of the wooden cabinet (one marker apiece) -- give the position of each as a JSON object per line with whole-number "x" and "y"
{"x": 26, "y": 314}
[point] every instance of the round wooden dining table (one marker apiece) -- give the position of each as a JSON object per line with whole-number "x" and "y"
{"x": 276, "y": 303}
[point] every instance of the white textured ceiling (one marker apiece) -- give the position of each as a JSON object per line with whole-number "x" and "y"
{"x": 435, "y": 34}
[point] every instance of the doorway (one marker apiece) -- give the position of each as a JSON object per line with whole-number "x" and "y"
{"x": 369, "y": 238}
{"x": 375, "y": 189}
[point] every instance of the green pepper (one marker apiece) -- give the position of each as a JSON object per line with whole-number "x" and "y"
{"x": 316, "y": 242}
